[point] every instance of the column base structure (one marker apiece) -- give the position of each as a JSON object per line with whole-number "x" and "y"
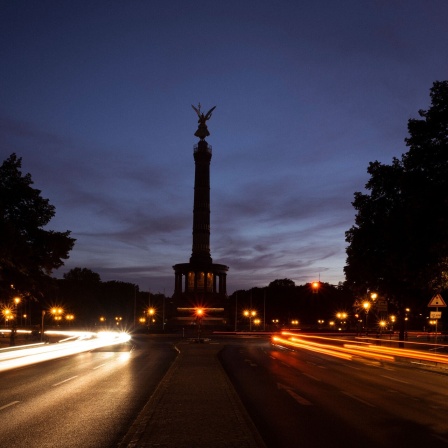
{"x": 200, "y": 286}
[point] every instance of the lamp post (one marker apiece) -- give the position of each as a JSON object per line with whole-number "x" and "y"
{"x": 382, "y": 325}
{"x": 151, "y": 312}
{"x": 315, "y": 287}
{"x": 17, "y": 300}
{"x": 250, "y": 314}
{"x": 199, "y": 315}
{"x": 342, "y": 317}
{"x": 57, "y": 313}
{"x": 366, "y": 306}
{"x": 392, "y": 322}
{"x": 42, "y": 327}
{"x": 7, "y": 314}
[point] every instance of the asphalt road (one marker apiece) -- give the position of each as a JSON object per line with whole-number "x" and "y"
{"x": 87, "y": 400}
{"x": 308, "y": 400}
{"x": 295, "y": 398}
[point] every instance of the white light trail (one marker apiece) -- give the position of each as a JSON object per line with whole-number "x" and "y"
{"x": 85, "y": 341}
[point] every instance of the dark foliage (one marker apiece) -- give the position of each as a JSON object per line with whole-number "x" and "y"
{"x": 398, "y": 246}
{"x": 28, "y": 252}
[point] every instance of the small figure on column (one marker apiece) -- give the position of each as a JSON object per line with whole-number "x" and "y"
{"x": 202, "y": 131}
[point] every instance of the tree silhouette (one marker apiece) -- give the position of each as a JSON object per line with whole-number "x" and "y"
{"x": 398, "y": 246}
{"x": 28, "y": 252}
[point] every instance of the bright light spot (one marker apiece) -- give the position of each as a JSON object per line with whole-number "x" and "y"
{"x": 73, "y": 343}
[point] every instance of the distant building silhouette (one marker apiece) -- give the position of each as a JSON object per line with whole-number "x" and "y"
{"x": 201, "y": 283}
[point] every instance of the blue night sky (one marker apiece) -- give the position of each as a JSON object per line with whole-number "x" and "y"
{"x": 96, "y": 96}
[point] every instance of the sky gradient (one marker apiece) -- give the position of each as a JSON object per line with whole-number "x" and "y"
{"x": 96, "y": 96}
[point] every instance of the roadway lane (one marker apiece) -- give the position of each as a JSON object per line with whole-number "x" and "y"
{"x": 308, "y": 400}
{"x": 87, "y": 400}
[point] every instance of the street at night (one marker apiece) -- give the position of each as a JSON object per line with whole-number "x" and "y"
{"x": 84, "y": 400}
{"x": 224, "y": 224}
{"x": 294, "y": 396}
{"x": 306, "y": 399}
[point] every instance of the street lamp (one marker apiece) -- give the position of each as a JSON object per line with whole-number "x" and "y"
{"x": 199, "y": 315}
{"x": 151, "y": 313}
{"x": 366, "y": 305}
{"x": 341, "y": 316}
{"x": 7, "y": 314}
{"x": 57, "y": 313}
{"x": 392, "y": 321}
{"x": 250, "y": 314}
{"x": 17, "y": 300}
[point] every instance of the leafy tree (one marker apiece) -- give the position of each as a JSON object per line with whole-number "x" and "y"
{"x": 28, "y": 252}
{"x": 399, "y": 243}
{"x": 83, "y": 276}
{"x": 283, "y": 283}
{"x": 80, "y": 289}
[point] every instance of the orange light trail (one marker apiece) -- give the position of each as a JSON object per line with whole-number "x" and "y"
{"x": 346, "y": 353}
{"x": 407, "y": 353}
{"x": 360, "y": 349}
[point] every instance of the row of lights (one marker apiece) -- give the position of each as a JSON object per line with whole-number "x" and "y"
{"x": 57, "y": 313}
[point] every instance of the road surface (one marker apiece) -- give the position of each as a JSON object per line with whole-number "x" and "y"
{"x": 310, "y": 400}
{"x": 87, "y": 400}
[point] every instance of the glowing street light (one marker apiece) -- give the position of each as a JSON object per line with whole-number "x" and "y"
{"x": 57, "y": 313}
{"x": 250, "y": 314}
{"x": 315, "y": 287}
{"x": 382, "y": 324}
{"x": 342, "y": 317}
{"x": 151, "y": 314}
{"x": 199, "y": 312}
{"x": 7, "y": 314}
{"x": 366, "y": 305}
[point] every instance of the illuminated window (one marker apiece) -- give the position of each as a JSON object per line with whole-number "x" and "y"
{"x": 209, "y": 282}
{"x": 191, "y": 281}
{"x": 200, "y": 280}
